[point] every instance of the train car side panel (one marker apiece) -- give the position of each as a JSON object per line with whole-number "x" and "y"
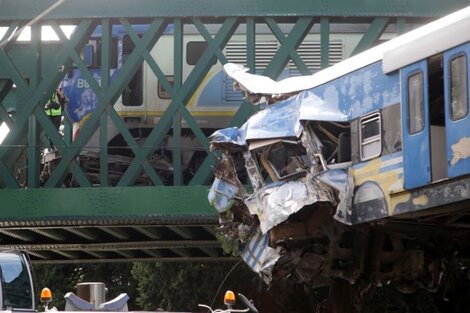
{"x": 415, "y": 125}
{"x": 456, "y": 69}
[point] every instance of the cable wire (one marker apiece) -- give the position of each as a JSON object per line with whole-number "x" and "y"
{"x": 223, "y": 281}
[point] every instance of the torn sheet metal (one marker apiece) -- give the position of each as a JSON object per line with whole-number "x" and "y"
{"x": 274, "y": 203}
{"x": 279, "y": 120}
{"x": 227, "y": 135}
{"x": 260, "y": 257}
{"x": 259, "y": 84}
{"x": 314, "y": 108}
{"x": 222, "y": 195}
{"x": 342, "y": 181}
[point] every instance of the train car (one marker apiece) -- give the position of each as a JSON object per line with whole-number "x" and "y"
{"x": 359, "y": 171}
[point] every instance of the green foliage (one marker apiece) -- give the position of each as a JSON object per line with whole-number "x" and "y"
{"x": 229, "y": 246}
{"x": 177, "y": 286}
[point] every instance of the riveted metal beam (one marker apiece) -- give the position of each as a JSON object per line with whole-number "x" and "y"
{"x": 53, "y": 234}
{"x": 47, "y": 206}
{"x": 112, "y": 246}
{"x": 181, "y": 231}
{"x": 68, "y": 254}
{"x": 29, "y": 9}
{"x": 149, "y": 232}
{"x": 115, "y": 232}
{"x": 153, "y": 253}
{"x": 19, "y": 235}
{"x": 80, "y": 232}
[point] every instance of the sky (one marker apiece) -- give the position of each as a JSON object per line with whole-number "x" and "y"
{"x": 48, "y": 35}
{"x": 3, "y": 131}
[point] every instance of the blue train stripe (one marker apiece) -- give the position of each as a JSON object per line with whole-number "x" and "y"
{"x": 263, "y": 246}
{"x": 391, "y": 167}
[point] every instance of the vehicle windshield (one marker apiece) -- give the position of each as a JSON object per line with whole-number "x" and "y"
{"x": 16, "y": 284}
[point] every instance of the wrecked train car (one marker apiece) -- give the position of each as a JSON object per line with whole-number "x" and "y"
{"x": 360, "y": 171}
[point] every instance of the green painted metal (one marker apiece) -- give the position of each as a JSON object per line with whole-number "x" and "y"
{"x": 105, "y": 61}
{"x": 48, "y": 204}
{"x": 128, "y": 70}
{"x": 302, "y": 27}
{"x": 177, "y": 82}
{"x": 401, "y": 25}
{"x": 50, "y": 81}
{"x": 288, "y": 47}
{"x": 28, "y": 9}
{"x": 325, "y": 42}
{"x": 250, "y": 43}
{"x": 372, "y": 35}
{"x": 186, "y": 90}
{"x": 33, "y": 132}
{"x": 33, "y": 154}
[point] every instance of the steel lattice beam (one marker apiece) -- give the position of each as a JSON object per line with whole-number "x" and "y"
{"x": 119, "y": 204}
{"x": 29, "y": 9}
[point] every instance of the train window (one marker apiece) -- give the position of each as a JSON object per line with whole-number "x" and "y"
{"x": 458, "y": 87}
{"x": 194, "y": 51}
{"x": 133, "y": 94}
{"x": 415, "y": 103}
{"x": 370, "y": 136}
{"x": 92, "y": 53}
{"x": 162, "y": 93}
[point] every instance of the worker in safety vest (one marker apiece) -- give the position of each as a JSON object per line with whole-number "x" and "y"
{"x": 55, "y": 107}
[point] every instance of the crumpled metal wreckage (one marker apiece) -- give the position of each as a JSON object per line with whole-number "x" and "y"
{"x": 295, "y": 192}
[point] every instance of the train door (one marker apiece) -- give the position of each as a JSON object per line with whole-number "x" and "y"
{"x": 415, "y": 125}
{"x": 456, "y": 70}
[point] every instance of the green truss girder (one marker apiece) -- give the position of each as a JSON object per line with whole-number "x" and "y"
{"x": 29, "y": 9}
{"x": 122, "y": 204}
{"x": 186, "y": 90}
{"x": 372, "y": 35}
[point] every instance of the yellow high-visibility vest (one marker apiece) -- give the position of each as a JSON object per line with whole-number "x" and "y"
{"x": 51, "y": 111}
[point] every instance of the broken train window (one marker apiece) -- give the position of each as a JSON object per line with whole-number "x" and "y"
{"x": 458, "y": 87}
{"x": 370, "y": 136}
{"x": 281, "y": 159}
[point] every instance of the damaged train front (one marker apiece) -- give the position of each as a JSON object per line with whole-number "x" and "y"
{"x": 283, "y": 193}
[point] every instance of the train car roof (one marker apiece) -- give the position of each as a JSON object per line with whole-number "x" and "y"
{"x": 403, "y": 50}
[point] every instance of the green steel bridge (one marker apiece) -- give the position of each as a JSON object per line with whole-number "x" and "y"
{"x": 125, "y": 221}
